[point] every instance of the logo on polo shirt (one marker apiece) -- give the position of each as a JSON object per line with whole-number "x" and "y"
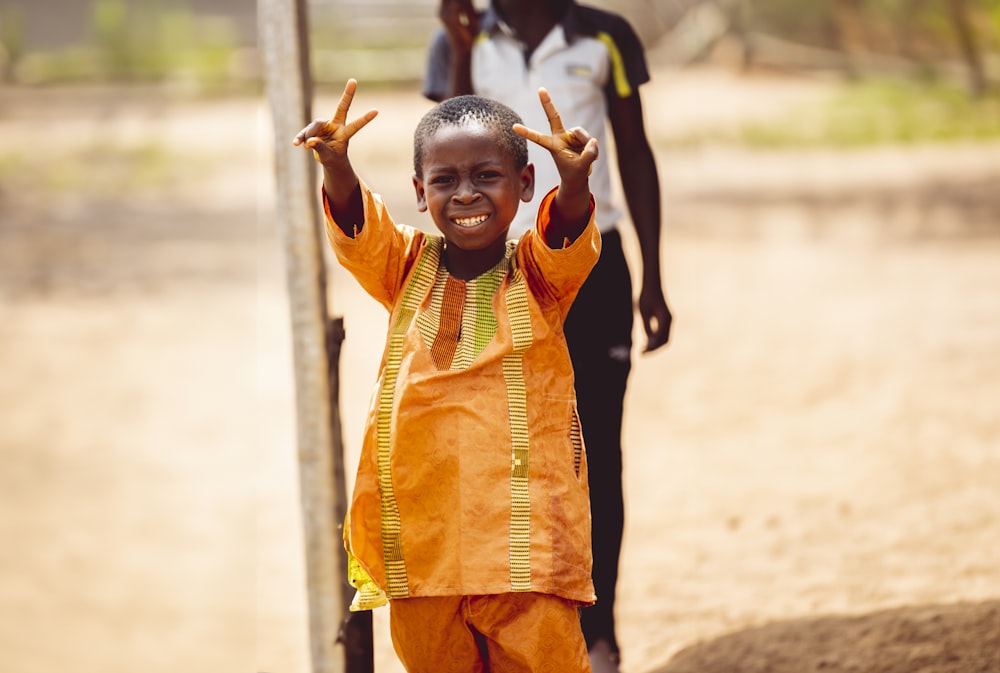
{"x": 581, "y": 71}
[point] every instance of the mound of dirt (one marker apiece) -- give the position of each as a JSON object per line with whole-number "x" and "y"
{"x": 962, "y": 638}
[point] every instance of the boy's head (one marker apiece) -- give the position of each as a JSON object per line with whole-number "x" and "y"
{"x": 471, "y": 171}
{"x": 466, "y": 111}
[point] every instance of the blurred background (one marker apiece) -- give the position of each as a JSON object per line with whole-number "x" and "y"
{"x": 812, "y": 465}
{"x": 211, "y": 42}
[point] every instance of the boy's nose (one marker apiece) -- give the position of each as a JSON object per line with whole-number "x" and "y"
{"x": 466, "y": 191}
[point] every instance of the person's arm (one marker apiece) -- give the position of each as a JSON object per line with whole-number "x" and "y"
{"x": 641, "y": 184}
{"x": 574, "y": 151}
{"x": 461, "y": 26}
{"x": 328, "y": 139}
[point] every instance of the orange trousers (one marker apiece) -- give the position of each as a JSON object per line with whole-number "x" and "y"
{"x": 500, "y": 633}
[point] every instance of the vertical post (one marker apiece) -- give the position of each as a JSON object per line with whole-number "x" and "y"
{"x": 285, "y": 59}
{"x": 356, "y": 633}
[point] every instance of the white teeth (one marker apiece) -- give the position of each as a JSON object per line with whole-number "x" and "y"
{"x": 470, "y": 221}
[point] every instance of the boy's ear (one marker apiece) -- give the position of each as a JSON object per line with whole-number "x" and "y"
{"x": 527, "y": 182}
{"x": 418, "y": 187}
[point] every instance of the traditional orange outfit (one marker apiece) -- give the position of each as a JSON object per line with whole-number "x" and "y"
{"x": 472, "y": 478}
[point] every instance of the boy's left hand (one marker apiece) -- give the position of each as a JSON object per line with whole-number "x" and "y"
{"x": 574, "y": 150}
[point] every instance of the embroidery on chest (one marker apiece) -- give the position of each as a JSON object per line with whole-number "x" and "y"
{"x": 459, "y": 321}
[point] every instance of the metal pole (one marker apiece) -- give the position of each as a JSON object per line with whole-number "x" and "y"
{"x": 286, "y": 69}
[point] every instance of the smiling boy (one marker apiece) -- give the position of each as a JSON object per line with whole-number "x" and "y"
{"x": 470, "y": 510}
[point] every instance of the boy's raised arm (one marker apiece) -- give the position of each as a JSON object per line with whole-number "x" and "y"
{"x": 328, "y": 139}
{"x": 574, "y": 152}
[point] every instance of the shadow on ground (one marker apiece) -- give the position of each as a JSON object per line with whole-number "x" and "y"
{"x": 960, "y": 638}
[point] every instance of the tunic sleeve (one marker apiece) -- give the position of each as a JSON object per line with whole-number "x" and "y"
{"x": 558, "y": 273}
{"x": 382, "y": 252}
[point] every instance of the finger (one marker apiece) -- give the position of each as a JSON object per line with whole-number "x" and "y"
{"x": 590, "y": 154}
{"x": 316, "y": 144}
{"x": 578, "y": 137}
{"x": 360, "y": 122}
{"x": 555, "y": 121}
{"x": 654, "y": 342}
{"x": 314, "y": 128}
{"x": 655, "y": 336}
{"x": 446, "y": 11}
{"x": 657, "y": 328}
{"x": 340, "y": 116}
{"x": 534, "y": 136}
{"x": 319, "y": 149}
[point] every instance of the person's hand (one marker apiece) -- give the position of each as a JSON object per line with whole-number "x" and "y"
{"x": 460, "y": 22}
{"x": 656, "y": 316}
{"x": 328, "y": 139}
{"x": 574, "y": 151}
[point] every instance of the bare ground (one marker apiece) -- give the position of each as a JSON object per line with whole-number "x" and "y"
{"x": 812, "y": 465}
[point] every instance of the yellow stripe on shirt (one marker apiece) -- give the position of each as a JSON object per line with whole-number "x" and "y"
{"x": 622, "y": 85}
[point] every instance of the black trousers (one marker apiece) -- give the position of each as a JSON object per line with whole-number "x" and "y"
{"x": 599, "y": 332}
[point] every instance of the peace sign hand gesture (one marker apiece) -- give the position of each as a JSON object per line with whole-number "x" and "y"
{"x": 328, "y": 139}
{"x": 574, "y": 150}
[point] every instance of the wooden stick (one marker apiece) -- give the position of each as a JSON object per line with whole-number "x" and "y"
{"x": 286, "y": 69}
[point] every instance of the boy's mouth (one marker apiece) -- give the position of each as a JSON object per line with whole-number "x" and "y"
{"x": 469, "y": 222}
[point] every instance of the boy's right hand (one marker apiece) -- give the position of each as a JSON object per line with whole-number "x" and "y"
{"x": 328, "y": 139}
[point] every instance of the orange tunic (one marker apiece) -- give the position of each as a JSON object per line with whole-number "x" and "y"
{"x": 473, "y": 477}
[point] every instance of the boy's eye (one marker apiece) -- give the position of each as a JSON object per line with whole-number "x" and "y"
{"x": 442, "y": 180}
{"x": 489, "y": 175}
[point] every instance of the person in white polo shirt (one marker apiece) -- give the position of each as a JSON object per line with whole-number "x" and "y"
{"x": 593, "y": 63}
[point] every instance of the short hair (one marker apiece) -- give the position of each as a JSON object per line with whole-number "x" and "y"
{"x": 496, "y": 117}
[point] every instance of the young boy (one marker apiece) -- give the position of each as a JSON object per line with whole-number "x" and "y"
{"x": 470, "y": 509}
{"x": 592, "y": 61}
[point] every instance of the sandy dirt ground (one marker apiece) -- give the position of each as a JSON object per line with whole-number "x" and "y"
{"x": 812, "y": 466}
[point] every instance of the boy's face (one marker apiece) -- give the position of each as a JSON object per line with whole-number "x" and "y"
{"x": 471, "y": 187}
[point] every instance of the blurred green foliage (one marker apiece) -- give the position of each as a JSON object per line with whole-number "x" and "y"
{"x": 114, "y": 39}
{"x": 145, "y": 41}
{"x": 114, "y": 169}
{"x": 104, "y": 169}
{"x": 164, "y": 41}
{"x": 866, "y": 113}
{"x": 809, "y": 22}
{"x": 11, "y": 34}
{"x": 918, "y": 28}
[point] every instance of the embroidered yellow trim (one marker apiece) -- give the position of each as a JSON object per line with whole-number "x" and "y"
{"x": 392, "y": 547}
{"x": 513, "y": 371}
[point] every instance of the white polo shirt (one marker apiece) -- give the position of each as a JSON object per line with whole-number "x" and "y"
{"x": 591, "y": 55}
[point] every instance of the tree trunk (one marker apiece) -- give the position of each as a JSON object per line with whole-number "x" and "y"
{"x": 851, "y": 34}
{"x": 964, "y": 32}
